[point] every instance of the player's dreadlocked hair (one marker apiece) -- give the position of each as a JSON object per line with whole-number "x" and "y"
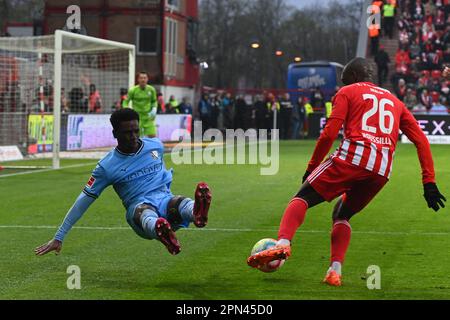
{"x": 123, "y": 115}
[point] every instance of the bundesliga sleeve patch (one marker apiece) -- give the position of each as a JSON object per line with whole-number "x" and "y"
{"x": 90, "y": 182}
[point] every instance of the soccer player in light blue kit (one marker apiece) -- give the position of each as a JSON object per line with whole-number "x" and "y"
{"x": 136, "y": 170}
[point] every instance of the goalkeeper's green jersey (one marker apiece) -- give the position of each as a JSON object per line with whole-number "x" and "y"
{"x": 144, "y": 100}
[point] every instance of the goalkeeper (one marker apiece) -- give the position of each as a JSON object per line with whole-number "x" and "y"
{"x": 145, "y": 103}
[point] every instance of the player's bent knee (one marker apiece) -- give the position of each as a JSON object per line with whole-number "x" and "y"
{"x": 173, "y": 211}
{"x": 139, "y": 211}
{"x": 310, "y": 195}
{"x": 342, "y": 211}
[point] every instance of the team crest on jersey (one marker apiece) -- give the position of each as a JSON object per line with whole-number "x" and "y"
{"x": 90, "y": 182}
{"x": 155, "y": 154}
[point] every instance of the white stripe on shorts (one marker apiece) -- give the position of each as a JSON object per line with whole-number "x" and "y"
{"x": 321, "y": 171}
{"x": 318, "y": 169}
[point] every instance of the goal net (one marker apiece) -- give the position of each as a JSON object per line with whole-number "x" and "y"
{"x": 56, "y": 91}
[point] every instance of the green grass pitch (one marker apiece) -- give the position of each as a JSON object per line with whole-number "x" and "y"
{"x": 397, "y": 232}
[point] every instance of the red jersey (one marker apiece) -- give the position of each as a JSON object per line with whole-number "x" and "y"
{"x": 372, "y": 119}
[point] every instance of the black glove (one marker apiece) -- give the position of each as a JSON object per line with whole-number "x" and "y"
{"x": 433, "y": 196}
{"x": 307, "y": 173}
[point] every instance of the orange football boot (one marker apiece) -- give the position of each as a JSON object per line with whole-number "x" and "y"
{"x": 333, "y": 279}
{"x": 269, "y": 255}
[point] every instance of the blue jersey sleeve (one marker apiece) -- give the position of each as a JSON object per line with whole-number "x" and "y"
{"x": 75, "y": 213}
{"x": 97, "y": 182}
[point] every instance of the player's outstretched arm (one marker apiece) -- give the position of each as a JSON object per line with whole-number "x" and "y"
{"x": 330, "y": 133}
{"x": 324, "y": 144}
{"x": 409, "y": 126}
{"x": 75, "y": 213}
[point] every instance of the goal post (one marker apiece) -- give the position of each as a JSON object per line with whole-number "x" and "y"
{"x": 48, "y": 82}
{"x": 63, "y": 46}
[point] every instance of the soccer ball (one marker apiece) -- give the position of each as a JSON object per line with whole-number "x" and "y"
{"x": 265, "y": 244}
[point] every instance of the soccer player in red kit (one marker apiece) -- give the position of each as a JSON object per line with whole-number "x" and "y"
{"x": 359, "y": 169}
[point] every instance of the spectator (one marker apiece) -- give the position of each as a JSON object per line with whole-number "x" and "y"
{"x": 249, "y": 119}
{"x": 123, "y": 97}
{"x": 298, "y": 118}
{"x": 261, "y": 113}
{"x": 286, "y": 108}
{"x": 374, "y": 34}
{"x": 216, "y": 105}
{"x": 77, "y": 102}
{"x": 410, "y": 99}
{"x": 239, "y": 116}
{"x": 64, "y": 102}
{"x": 48, "y": 97}
{"x": 425, "y": 99}
{"x": 309, "y": 110}
{"x": 430, "y": 9}
{"x": 228, "y": 111}
{"x": 402, "y": 58}
{"x": 95, "y": 101}
{"x": 185, "y": 106}
{"x": 161, "y": 104}
{"x": 400, "y": 90}
{"x": 438, "y": 107}
{"x": 272, "y": 106}
{"x": 204, "y": 108}
{"x": 317, "y": 99}
{"x": 389, "y": 18}
{"x": 424, "y": 81}
{"x": 440, "y": 23}
{"x": 418, "y": 11}
{"x": 415, "y": 50}
{"x": 121, "y": 102}
{"x": 173, "y": 105}
{"x": 382, "y": 60}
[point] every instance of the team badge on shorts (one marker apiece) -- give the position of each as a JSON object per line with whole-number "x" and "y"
{"x": 155, "y": 155}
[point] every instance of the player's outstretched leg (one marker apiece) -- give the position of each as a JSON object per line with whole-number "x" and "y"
{"x": 293, "y": 218}
{"x": 167, "y": 236}
{"x": 203, "y": 199}
{"x": 157, "y": 228}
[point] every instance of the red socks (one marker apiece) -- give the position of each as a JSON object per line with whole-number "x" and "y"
{"x": 292, "y": 219}
{"x": 340, "y": 240}
{"x": 295, "y": 215}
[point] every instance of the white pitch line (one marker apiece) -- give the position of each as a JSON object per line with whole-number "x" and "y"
{"x": 235, "y": 230}
{"x": 47, "y": 170}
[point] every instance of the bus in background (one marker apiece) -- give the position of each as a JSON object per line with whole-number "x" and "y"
{"x": 304, "y": 77}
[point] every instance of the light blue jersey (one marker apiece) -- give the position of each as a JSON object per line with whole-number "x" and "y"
{"x": 135, "y": 177}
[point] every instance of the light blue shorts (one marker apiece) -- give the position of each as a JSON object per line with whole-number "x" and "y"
{"x": 159, "y": 200}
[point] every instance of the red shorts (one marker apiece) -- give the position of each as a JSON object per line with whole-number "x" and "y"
{"x": 336, "y": 177}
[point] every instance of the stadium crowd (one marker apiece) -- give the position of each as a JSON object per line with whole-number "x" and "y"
{"x": 262, "y": 110}
{"x": 423, "y": 51}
